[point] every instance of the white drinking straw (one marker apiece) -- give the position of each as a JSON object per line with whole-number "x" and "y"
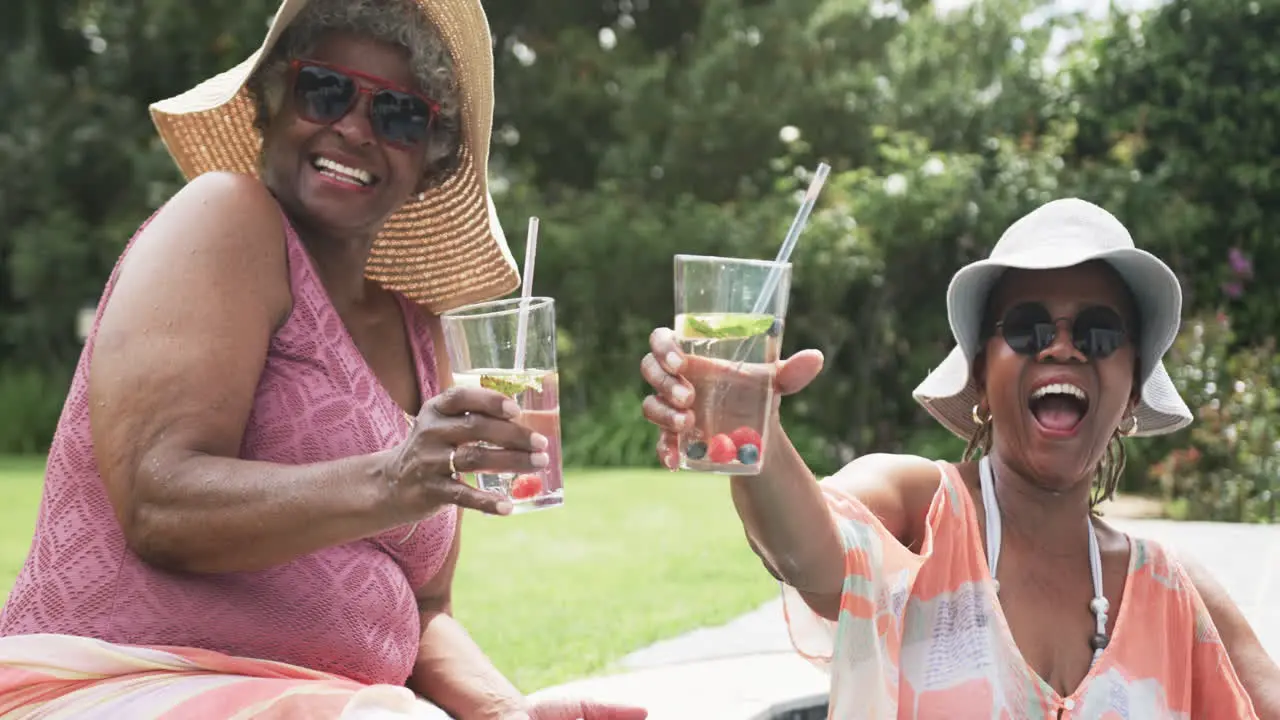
{"x": 526, "y": 291}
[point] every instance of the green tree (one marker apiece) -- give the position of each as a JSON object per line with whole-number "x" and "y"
{"x": 1184, "y": 101}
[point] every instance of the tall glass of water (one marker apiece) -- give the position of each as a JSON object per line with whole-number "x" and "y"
{"x": 489, "y": 348}
{"x": 730, "y": 314}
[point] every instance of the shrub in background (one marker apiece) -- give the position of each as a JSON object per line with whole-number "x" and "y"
{"x": 1226, "y": 466}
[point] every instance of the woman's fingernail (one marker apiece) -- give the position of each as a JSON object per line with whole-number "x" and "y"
{"x": 681, "y": 394}
{"x": 674, "y": 361}
{"x": 682, "y": 421}
{"x": 538, "y": 441}
{"x": 540, "y": 459}
{"x": 511, "y": 409}
{"x": 504, "y": 507}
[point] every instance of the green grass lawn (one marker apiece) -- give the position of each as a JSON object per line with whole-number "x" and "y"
{"x": 633, "y": 557}
{"x": 19, "y": 497}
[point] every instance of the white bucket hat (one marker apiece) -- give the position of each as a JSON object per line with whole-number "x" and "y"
{"x": 1061, "y": 234}
{"x": 444, "y": 249}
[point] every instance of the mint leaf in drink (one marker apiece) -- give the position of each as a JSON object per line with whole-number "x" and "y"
{"x": 510, "y": 385}
{"x": 720, "y": 327}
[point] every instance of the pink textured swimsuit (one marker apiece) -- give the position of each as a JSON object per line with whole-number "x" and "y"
{"x": 348, "y": 610}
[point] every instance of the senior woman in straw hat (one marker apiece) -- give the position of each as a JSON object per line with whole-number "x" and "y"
{"x": 989, "y": 588}
{"x": 251, "y": 503}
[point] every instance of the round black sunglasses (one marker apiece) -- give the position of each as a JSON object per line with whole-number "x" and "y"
{"x": 1029, "y": 328}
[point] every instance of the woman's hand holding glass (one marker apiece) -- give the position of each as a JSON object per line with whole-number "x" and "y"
{"x": 669, "y": 371}
{"x": 463, "y": 430}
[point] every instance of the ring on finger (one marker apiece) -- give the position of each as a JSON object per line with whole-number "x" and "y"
{"x": 453, "y": 469}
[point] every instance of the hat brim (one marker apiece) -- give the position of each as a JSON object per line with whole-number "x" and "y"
{"x": 443, "y": 251}
{"x": 949, "y": 392}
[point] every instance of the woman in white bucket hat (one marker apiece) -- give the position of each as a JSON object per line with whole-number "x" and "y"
{"x": 989, "y": 587}
{"x": 251, "y": 503}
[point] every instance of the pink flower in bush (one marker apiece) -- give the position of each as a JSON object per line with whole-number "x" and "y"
{"x": 1240, "y": 264}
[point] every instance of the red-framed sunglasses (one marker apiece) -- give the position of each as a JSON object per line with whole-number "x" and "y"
{"x": 324, "y": 94}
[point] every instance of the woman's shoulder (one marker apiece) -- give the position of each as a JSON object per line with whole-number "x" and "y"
{"x": 1148, "y": 553}
{"x": 906, "y": 481}
{"x": 893, "y": 468}
{"x": 217, "y": 211}
{"x": 245, "y": 197}
{"x": 219, "y": 227}
{"x": 222, "y": 183}
{"x": 223, "y": 212}
{"x": 228, "y": 206}
{"x": 1158, "y": 569}
{"x": 897, "y": 489}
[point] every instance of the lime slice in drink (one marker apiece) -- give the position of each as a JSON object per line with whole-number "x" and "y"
{"x": 726, "y": 325}
{"x": 511, "y": 385}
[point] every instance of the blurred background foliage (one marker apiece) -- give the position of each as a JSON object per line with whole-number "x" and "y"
{"x": 637, "y": 129}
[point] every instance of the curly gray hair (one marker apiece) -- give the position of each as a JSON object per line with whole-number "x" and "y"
{"x": 395, "y": 22}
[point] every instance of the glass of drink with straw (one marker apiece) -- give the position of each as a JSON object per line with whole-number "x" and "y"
{"x": 730, "y": 314}
{"x": 510, "y": 346}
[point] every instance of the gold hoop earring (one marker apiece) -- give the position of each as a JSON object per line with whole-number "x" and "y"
{"x": 1131, "y": 429}
{"x": 977, "y": 416}
{"x": 980, "y": 441}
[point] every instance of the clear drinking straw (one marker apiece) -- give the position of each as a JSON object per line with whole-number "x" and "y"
{"x": 526, "y": 292}
{"x": 784, "y": 254}
{"x": 793, "y": 236}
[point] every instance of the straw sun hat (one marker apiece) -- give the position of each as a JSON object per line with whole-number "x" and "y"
{"x": 1061, "y": 234}
{"x": 444, "y": 250}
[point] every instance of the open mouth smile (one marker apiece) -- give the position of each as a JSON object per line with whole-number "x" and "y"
{"x": 343, "y": 175}
{"x": 1059, "y": 408}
